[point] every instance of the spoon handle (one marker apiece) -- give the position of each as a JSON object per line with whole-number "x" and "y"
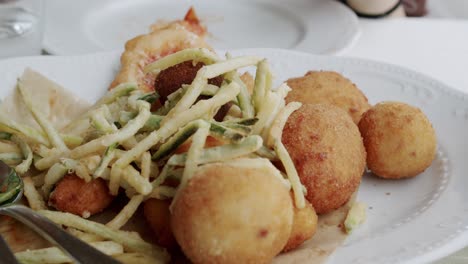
{"x": 77, "y": 250}
{"x": 6, "y": 253}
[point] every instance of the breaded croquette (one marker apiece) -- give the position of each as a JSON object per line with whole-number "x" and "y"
{"x": 304, "y": 226}
{"x": 320, "y": 87}
{"x": 328, "y": 153}
{"x": 399, "y": 139}
{"x": 230, "y": 214}
{"x": 158, "y": 217}
{"x": 73, "y": 195}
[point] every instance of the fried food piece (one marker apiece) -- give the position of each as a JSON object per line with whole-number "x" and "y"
{"x": 165, "y": 39}
{"x": 231, "y": 214}
{"x": 73, "y": 195}
{"x": 172, "y": 78}
{"x": 327, "y": 150}
{"x": 304, "y": 226}
{"x": 399, "y": 139}
{"x": 331, "y": 88}
{"x": 158, "y": 217}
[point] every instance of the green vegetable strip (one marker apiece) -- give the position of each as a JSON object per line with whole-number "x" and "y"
{"x": 266, "y": 112}
{"x": 9, "y": 147}
{"x": 245, "y": 101}
{"x": 242, "y": 129}
{"x": 193, "y": 153}
{"x": 11, "y": 127}
{"x": 47, "y": 162}
{"x": 225, "y": 94}
{"x": 132, "y": 243}
{"x": 135, "y": 180}
{"x": 123, "y": 89}
{"x": 5, "y": 135}
{"x": 171, "y": 101}
{"x": 262, "y": 80}
{"x": 175, "y": 97}
{"x": 71, "y": 140}
{"x": 178, "y": 139}
{"x": 276, "y": 129}
{"x": 241, "y": 121}
{"x": 42, "y": 120}
{"x": 11, "y": 158}
{"x": 54, "y": 174}
{"x": 126, "y": 116}
{"x": 54, "y": 255}
{"x": 190, "y": 96}
{"x": 267, "y": 153}
{"x": 152, "y": 124}
{"x": 223, "y": 67}
{"x": 186, "y": 132}
{"x": 27, "y": 153}
{"x": 225, "y": 152}
{"x": 194, "y": 54}
{"x": 291, "y": 171}
{"x": 210, "y": 90}
{"x": 123, "y": 134}
{"x": 100, "y": 122}
{"x": 150, "y": 97}
{"x": 106, "y": 159}
{"x": 162, "y": 176}
{"x": 220, "y": 131}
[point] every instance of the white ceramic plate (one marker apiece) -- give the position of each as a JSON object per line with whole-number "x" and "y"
{"x": 315, "y": 26}
{"x": 409, "y": 221}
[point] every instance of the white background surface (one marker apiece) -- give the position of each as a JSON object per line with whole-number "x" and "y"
{"x": 436, "y": 47}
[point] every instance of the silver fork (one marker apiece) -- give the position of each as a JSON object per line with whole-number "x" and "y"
{"x": 6, "y": 253}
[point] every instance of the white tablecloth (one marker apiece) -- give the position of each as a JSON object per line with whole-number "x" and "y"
{"x": 436, "y": 47}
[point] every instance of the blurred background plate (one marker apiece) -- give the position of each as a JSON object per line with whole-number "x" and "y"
{"x": 315, "y": 26}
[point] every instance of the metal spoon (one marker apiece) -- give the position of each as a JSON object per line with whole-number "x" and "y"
{"x": 11, "y": 190}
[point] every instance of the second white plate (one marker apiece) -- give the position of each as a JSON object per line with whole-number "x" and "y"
{"x": 315, "y": 26}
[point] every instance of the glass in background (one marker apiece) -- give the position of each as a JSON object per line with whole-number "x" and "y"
{"x": 21, "y": 27}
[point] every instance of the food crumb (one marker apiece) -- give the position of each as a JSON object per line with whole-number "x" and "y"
{"x": 356, "y": 216}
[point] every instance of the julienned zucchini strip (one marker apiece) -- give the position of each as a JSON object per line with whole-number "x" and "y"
{"x": 248, "y": 145}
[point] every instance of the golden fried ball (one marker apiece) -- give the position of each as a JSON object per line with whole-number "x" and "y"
{"x": 304, "y": 226}
{"x": 157, "y": 216}
{"x": 74, "y": 195}
{"x": 399, "y": 140}
{"x": 330, "y": 88}
{"x": 229, "y": 214}
{"x": 328, "y": 153}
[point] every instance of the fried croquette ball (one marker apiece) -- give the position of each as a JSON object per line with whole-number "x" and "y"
{"x": 73, "y": 195}
{"x": 399, "y": 139}
{"x": 328, "y": 87}
{"x": 172, "y": 78}
{"x": 231, "y": 214}
{"x": 304, "y": 226}
{"x": 158, "y": 217}
{"x": 327, "y": 150}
